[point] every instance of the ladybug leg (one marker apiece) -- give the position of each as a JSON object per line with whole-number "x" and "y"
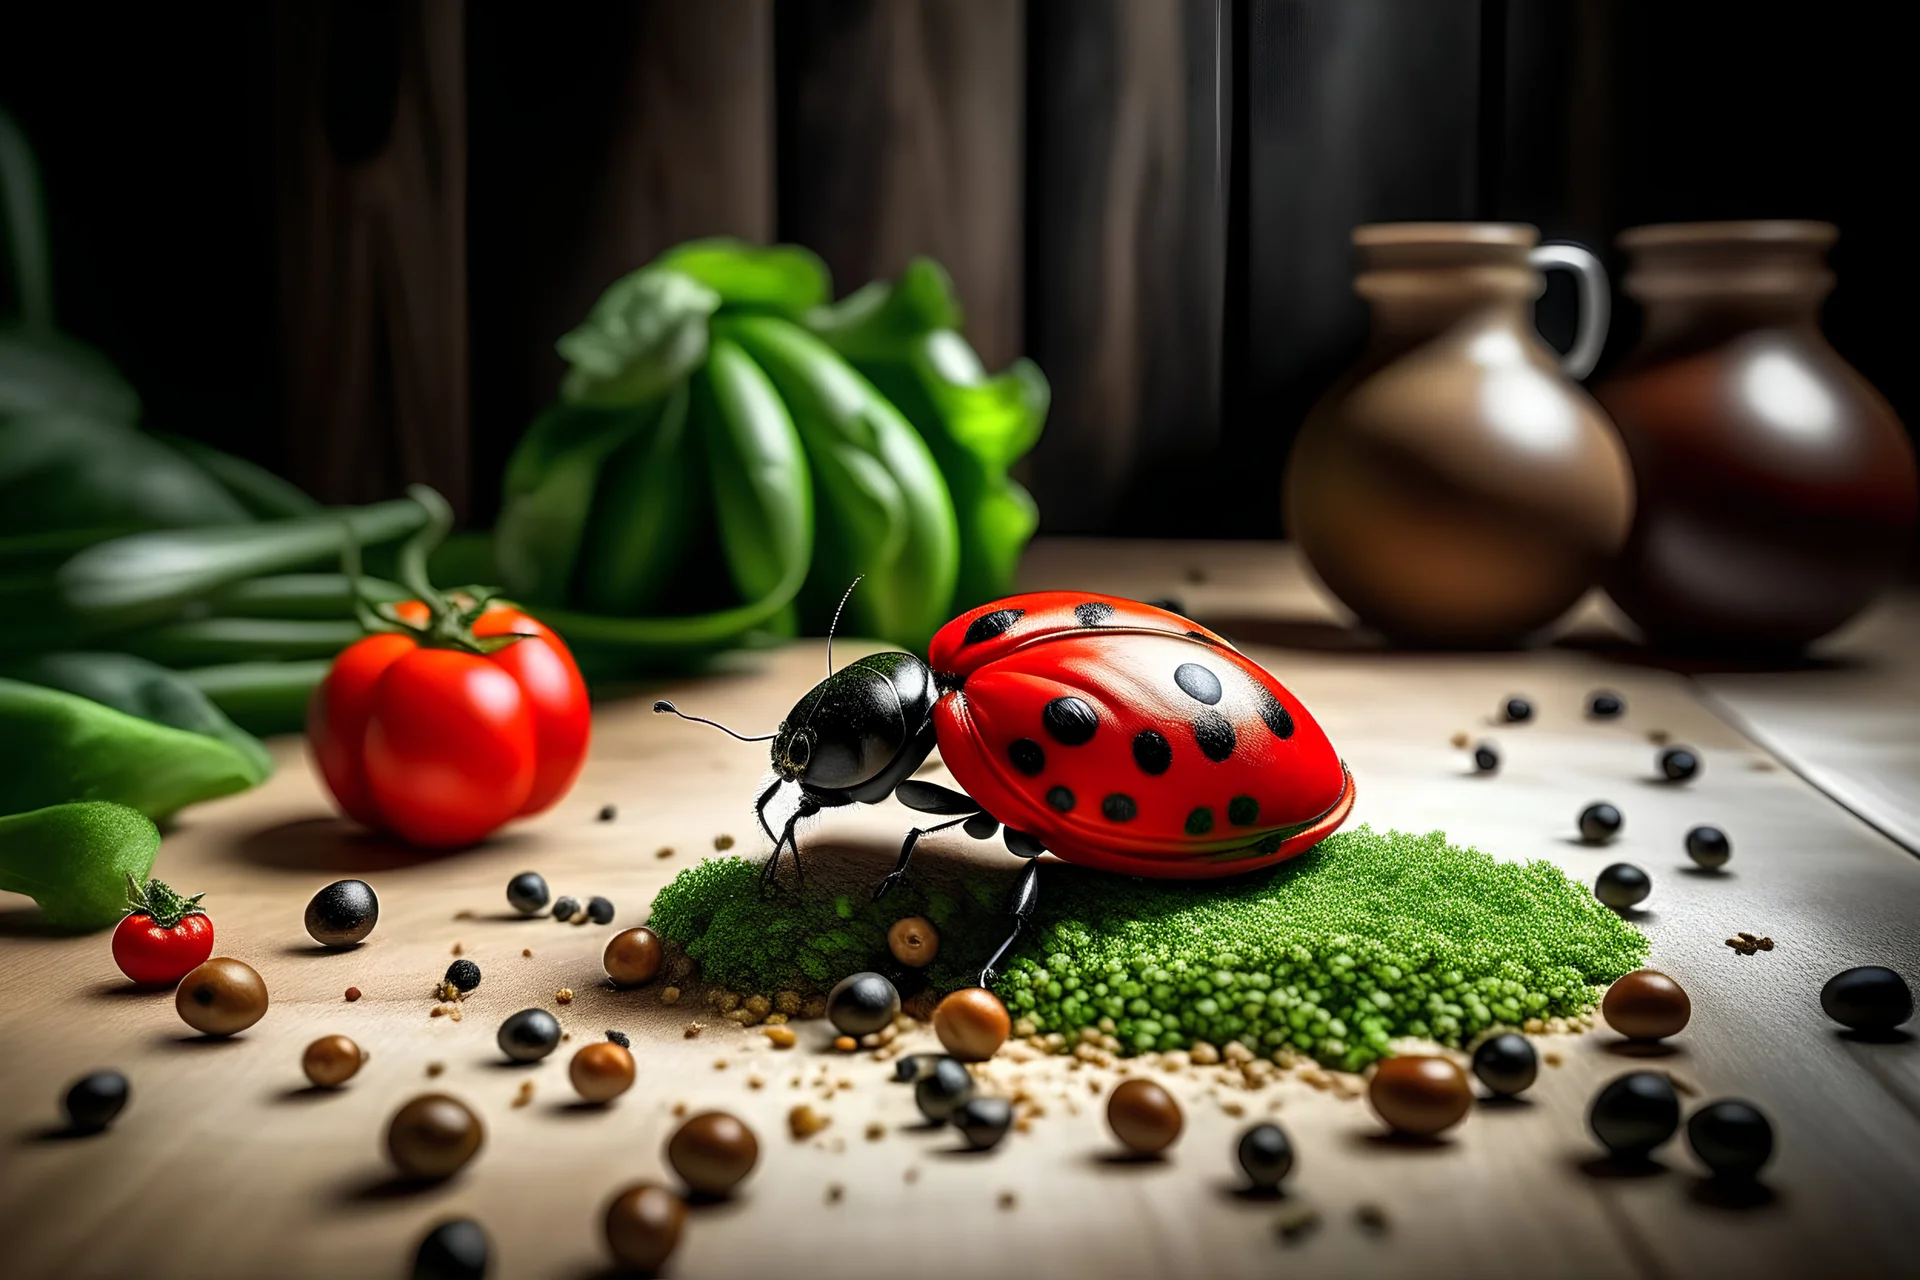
{"x": 760, "y": 811}
{"x": 770, "y": 870}
{"x": 1026, "y": 895}
{"x": 899, "y": 871}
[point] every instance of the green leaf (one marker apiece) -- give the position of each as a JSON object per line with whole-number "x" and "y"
{"x": 23, "y": 226}
{"x": 140, "y": 688}
{"x": 763, "y": 495}
{"x": 781, "y": 278}
{"x": 650, "y": 494}
{"x": 63, "y": 469}
{"x": 41, "y": 371}
{"x": 149, "y": 575}
{"x": 549, "y": 494}
{"x": 873, "y": 474}
{"x": 75, "y": 860}
{"x": 647, "y": 332}
{"x": 56, "y": 747}
{"x": 904, "y": 340}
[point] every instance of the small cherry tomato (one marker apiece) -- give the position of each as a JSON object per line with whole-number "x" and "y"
{"x": 164, "y": 937}
{"x": 436, "y": 735}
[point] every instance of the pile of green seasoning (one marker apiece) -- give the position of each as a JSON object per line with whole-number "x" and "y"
{"x": 1367, "y": 938}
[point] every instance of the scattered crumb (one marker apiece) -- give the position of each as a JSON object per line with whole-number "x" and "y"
{"x": 447, "y": 993}
{"x": 563, "y": 996}
{"x": 1659, "y": 737}
{"x": 1460, "y": 740}
{"x": 1008, "y": 1200}
{"x": 1746, "y": 944}
{"x": 463, "y": 914}
{"x": 1196, "y": 575}
{"x": 912, "y": 1175}
{"x": 1296, "y": 1224}
{"x": 845, "y": 1044}
{"x": 782, "y": 1037}
{"x": 664, "y": 851}
{"x": 353, "y": 993}
{"x": 693, "y": 1029}
{"x": 566, "y": 1037}
{"x": 1233, "y": 1109}
{"x": 525, "y": 1096}
{"x": 435, "y": 1068}
{"x": 756, "y": 1082}
{"x": 579, "y": 917}
{"x": 670, "y": 995}
{"x": 438, "y": 1011}
{"x": 719, "y": 1064}
{"x": 527, "y": 952}
{"x": 723, "y": 842}
{"x": 775, "y": 1019}
{"x": 679, "y": 1109}
{"x": 786, "y": 1002}
{"x": 454, "y": 1013}
{"x": 1683, "y": 1085}
{"x": 1761, "y": 766}
{"x": 1551, "y": 1058}
{"x": 803, "y": 1121}
{"x": 875, "y": 1131}
{"x": 459, "y": 950}
{"x": 835, "y": 1192}
{"x": 1372, "y": 1219}
{"x": 608, "y": 813}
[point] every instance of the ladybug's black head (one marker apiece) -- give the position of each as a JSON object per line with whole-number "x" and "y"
{"x": 849, "y": 735}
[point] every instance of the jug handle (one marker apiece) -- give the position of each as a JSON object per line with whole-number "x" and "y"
{"x": 1590, "y": 336}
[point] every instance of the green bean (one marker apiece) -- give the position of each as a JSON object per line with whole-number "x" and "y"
{"x": 261, "y": 697}
{"x": 301, "y": 595}
{"x": 645, "y": 509}
{"x": 195, "y": 642}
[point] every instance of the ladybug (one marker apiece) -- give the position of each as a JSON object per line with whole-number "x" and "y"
{"x": 1110, "y": 733}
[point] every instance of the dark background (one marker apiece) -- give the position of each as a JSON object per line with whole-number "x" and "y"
{"x": 340, "y": 238}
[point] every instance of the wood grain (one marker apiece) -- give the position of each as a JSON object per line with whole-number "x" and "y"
{"x": 373, "y": 263}
{"x": 901, "y": 125}
{"x": 302, "y": 1189}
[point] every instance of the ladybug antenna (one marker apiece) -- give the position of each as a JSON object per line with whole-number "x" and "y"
{"x": 835, "y": 624}
{"x": 668, "y": 708}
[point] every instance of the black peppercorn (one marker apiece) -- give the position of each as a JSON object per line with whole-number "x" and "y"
{"x": 566, "y": 908}
{"x": 862, "y": 1004}
{"x": 943, "y": 1090}
{"x": 1635, "y": 1113}
{"x": 529, "y": 1035}
{"x": 527, "y": 893}
{"x": 620, "y": 1038}
{"x": 1599, "y": 822}
{"x": 1604, "y": 704}
{"x": 1622, "y": 885}
{"x": 909, "y": 1069}
{"x": 464, "y": 975}
{"x": 1517, "y": 710}
{"x": 343, "y": 913}
{"x": 1266, "y": 1156}
{"x": 1731, "y": 1138}
{"x": 1870, "y": 998}
{"x": 94, "y": 1100}
{"x": 983, "y": 1121}
{"x": 455, "y": 1250}
{"x": 599, "y": 910}
{"x": 1506, "y": 1064}
{"x": 1485, "y": 758}
{"x": 608, "y": 813}
{"x": 1709, "y": 847}
{"x": 1679, "y": 764}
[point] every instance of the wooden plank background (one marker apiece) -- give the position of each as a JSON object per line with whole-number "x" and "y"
{"x": 1152, "y": 197}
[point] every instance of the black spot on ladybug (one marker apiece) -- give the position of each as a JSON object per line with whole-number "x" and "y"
{"x": 1153, "y": 753}
{"x": 1027, "y": 756}
{"x": 1092, "y": 613}
{"x": 1243, "y": 811}
{"x": 1200, "y": 821}
{"x": 1201, "y": 636}
{"x": 1269, "y": 844}
{"x": 1197, "y": 682}
{"x": 1070, "y": 721}
{"x": 989, "y": 625}
{"x": 1214, "y": 733}
{"x": 1061, "y": 799}
{"x": 1118, "y": 808}
{"x": 1272, "y": 712}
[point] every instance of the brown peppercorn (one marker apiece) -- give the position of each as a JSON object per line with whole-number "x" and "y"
{"x": 914, "y": 941}
{"x": 601, "y": 1071}
{"x": 712, "y": 1152}
{"x": 223, "y": 997}
{"x": 1143, "y": 1116}
{"x": 353, "y": 993}
{"x": 1420, "y": 1095}
{"x": 331, "y": 1061}
{"x": 632, "y": 957}
{"x": 1646, "y": 1005}
{"x": 644, "y": 1223}
{"x": 972, "y": 1024}
{"x": 432, "y": 1136}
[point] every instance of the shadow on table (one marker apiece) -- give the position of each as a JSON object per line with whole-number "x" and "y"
{"x": 334, "y": 844}
{"x": 1614, "y": 648}
{"x": 27, "y": 922}
{"x": 1610, "y": 1168}
{"x": 1314, "y": 634}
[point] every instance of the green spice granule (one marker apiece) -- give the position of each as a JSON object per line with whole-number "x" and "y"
{"x": 1364, "y": 939}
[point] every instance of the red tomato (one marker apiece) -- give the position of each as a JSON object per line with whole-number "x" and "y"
{"x": 164, "y": 937}
{"x": 442, "y": 746}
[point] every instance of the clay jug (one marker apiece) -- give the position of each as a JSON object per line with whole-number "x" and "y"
{"x": 1777, "y": 488}
{"x": 1457, "y": 487}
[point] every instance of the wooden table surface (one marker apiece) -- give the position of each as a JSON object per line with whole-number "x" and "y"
{"x": 225, "y": 1165}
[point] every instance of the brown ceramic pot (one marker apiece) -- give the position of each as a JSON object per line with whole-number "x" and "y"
{"x": 1458, "y": 487}
{"x": 1777, "y": 489}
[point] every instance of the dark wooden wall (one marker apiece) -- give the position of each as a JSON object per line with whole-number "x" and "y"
{"x": 340, "y": 236}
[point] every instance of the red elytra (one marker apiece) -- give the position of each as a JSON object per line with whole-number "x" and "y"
{"x": 1130, "y": 739}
